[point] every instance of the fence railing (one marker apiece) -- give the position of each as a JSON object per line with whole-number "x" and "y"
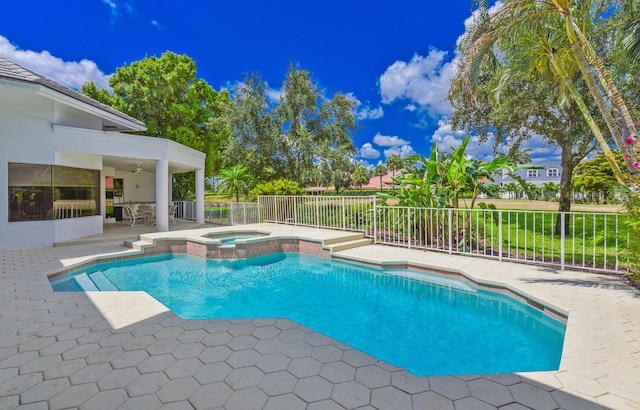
{"x": 221, "y": 213}
{"x": 589, "y": 241}
{"x": 348, "y": 213}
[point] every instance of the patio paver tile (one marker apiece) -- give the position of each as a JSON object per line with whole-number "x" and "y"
{"x": 87, "y": 350}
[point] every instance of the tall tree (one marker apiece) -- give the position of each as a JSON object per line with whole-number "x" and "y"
{"x": 166, "y": 94}
{"x": 595, "y": 176}
{"x": 255, "y": 132}
{"x": 526, "y": 106}
{"x": 290, "y": 139}
{"x": 514, "y": 19}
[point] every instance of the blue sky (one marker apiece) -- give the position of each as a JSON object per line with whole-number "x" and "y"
{"x": 395, "y": 58}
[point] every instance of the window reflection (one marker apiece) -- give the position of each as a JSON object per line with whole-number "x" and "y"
{"x": 40, "y": 192}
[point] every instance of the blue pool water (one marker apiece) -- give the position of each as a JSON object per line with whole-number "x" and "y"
{"x": 429, "y": 324}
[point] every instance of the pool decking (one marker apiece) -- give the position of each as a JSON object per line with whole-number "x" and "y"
{"x": 106, "y": 350}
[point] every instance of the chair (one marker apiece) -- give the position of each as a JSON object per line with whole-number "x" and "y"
{"x": 172, "y": 213}
{"x": 133, "y": 214}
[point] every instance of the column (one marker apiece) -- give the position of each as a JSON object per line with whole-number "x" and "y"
{"x": 200, "y": 195}
{"x": 162, "y": 195}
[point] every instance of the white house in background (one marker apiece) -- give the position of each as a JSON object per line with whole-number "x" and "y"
{"x": 549, "y": 172}
{"x": 60, "y": 151}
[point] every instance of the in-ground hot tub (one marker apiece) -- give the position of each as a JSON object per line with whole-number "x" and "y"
{"x": 228, "y": 239}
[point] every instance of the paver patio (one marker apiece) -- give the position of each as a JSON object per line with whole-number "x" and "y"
{"x": 106, "y": 350}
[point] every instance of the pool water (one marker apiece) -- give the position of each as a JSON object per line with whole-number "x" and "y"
{"x": 429, "y": 324}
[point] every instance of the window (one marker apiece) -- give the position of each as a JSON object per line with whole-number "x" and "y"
{"x": 532, "y": 173}
{"x": 553, "y": 172}
{"x": 39, "y": 192}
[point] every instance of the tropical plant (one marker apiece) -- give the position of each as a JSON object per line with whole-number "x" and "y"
{"x": 235, "y": 180}
{"x": 440, "y": 180}
{"x": 631, "y": 201}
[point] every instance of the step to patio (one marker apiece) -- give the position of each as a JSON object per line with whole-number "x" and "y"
{"x": 343, "y": 246}
{"x": 348, "y": 236}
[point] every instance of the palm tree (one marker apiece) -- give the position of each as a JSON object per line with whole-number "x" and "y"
{"x": 517, "y": 17}
{"x": 361, "y": 176}
{"x": 395, "y": 163}
{"x": 380, "y": 170}
{"x": 235, "y": 179}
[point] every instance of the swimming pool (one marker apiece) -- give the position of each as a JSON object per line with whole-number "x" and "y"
{"x": 428, "y": 324}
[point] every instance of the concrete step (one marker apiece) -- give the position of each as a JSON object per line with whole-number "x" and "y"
{"x": 342, "y": 246}
{"x": 85, "y": 283}
{"x": 351, "y": 236}
{"x": 102, "y": 282}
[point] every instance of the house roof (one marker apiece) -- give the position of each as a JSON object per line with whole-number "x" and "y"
{"x": 10, "y": 70}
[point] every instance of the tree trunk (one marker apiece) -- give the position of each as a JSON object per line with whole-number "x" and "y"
{"x": 565, "y": 187}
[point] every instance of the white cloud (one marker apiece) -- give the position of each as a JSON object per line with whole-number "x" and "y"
{"x": 364, "y": 163}
{"x": 403, "y": 150}
{"x": 424, "y": 81}
{"x": 70, "y": 73}
{"x": 116, "y": 7}
{"x": 366, "y": 113}
{"x": 388, "y": 141}
{"x": 273, "y": 94}
{"x": 367, "y": 151}
{"x": 449, "y": 140}
{"x": 157, "y": 25}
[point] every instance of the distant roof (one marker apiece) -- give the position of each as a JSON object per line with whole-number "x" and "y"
{"x": 13, "y": 71}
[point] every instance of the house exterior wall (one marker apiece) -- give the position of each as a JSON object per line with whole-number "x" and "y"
{"x": 26, "y": 136}
{"x": 543, "y": 177}
{"x": 36, "y": 128}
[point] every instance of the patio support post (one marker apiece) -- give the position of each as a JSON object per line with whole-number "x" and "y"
{"x": 162, "y": 195}
{"x": 200, "y": 195}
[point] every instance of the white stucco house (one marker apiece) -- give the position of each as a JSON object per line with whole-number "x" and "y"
{"x": 60, "y": 153}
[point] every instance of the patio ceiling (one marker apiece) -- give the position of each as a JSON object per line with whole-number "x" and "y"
{"x": 148, "y": 165}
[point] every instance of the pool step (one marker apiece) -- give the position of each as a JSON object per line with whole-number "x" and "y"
{"x": 85, "y": 283}
{"x": 102, "y": 282}
{"x": 343, "y": 246}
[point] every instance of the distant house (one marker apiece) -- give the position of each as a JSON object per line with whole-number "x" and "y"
{"x": 374, "y": 182}
{"x": 549, "y": 172}
{"x": 62, "y": 156}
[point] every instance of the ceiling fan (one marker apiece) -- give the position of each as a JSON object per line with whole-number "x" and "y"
{"x": 138, "y": 169}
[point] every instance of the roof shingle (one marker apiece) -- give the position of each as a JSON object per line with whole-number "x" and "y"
{"x": 13, "y": 71}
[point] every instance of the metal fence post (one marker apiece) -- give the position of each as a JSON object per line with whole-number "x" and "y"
{"x": 450, "y": 217}
{"x": 562, "y": 235}
{"x": 344, "y": 217}
{"x": 500, "y": 235}
{"x": 409, "y": 227}
{"x": 375, "y": 220}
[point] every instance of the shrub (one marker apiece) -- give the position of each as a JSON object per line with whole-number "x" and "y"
{"x": 277, "y": 187}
